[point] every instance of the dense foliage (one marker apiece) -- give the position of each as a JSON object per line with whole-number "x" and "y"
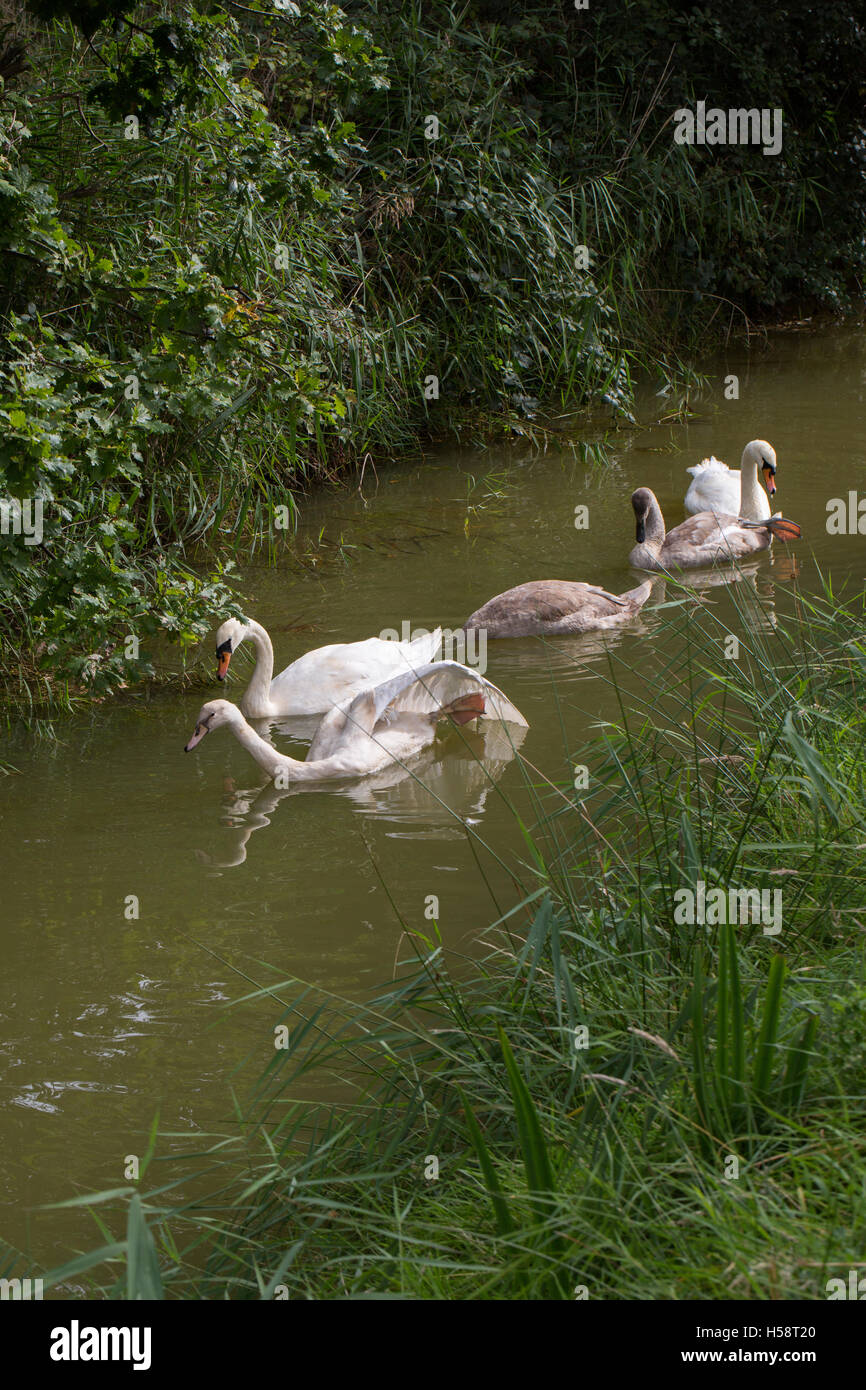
{"x": 239, "y": 253}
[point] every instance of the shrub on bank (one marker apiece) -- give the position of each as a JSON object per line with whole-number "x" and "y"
{"x": 244, "y": 247}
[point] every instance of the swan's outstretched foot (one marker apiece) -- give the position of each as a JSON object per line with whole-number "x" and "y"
{"x": 784, "y": 529}
{"x": 781, "y": 526}
{"x": 462, "y": 710}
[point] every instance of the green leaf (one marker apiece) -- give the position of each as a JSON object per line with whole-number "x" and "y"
{"x": 501, "y": 1213}
{"x": 143, "y": 1279}
{"x": 766, "y": 1052}
{"x": 539, "y": 1176}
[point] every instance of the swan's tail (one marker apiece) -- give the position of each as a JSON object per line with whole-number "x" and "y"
{"x": 711, "y": 462}
{"x": 423, "y": 649}
{"x": 638, "y": 597}
{"x": 631, "y": 597}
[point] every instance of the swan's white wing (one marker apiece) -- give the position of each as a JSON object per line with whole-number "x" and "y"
{"x": 329, "y": 734}
{"x": 331, "y": 675}
{"x": 433, "y": 687}
{"x": 423, "y": 692}
{"x": 711, "y": 537}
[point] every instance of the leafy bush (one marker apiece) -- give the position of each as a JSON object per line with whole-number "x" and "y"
{"x": 235, "y": 261}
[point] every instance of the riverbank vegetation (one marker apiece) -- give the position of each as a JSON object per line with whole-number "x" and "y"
{"x": 246, "y": 248}
{"x": 620, "y": 1097}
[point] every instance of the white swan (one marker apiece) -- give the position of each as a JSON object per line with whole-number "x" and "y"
{"x": 389, "y": 723}
{"x": 322, "y": 678}
{"x": 705, "y": 539}
{"x": 734, "y": 491}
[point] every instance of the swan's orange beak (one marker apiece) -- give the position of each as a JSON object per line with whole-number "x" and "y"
{"x": 223, "y": 659}
{"x": 769, "y": 473}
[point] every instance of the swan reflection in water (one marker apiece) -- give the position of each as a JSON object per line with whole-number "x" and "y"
{"x": 448, "y": 782}
{"x": 755, "y": 599}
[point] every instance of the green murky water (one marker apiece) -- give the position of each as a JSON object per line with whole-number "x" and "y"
{"x": 105, "y": 1019}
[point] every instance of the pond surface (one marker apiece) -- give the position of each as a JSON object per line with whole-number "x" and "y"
{"x": 107, "y": 1018}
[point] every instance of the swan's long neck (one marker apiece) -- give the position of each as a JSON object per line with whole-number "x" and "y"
{"x": 654, "y": 526}
{"x": 279, "y": 765}
{"x": 751, "y": 492}
{"x": 257, "y": 695}
{"x": 264, "y": 753}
